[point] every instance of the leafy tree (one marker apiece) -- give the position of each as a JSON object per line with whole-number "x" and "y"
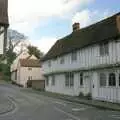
{"x": 32, "y": 50}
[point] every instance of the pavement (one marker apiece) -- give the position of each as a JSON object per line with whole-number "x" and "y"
{"x": 94, "y": 103}
{"x": 31, "y": 105}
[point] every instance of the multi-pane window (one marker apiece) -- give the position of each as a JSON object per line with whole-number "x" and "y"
{"x": 69, "y": 79}
{"x": 29, "y": 77}
{"x": 81, "y": 79}
{"x": 49, "y": 63}
{"x": 119, "y": 79}
{"x": 47, "y": 81}
{"x": 29, "y": 68}
{"x": 112, "y": 79}
{"x": 53, "y": 80}
{"x": 74, "y": 56}
{"x": 103, "y": 79}
{"x": 62, "y": 60}
{"x": 104, "y": 49}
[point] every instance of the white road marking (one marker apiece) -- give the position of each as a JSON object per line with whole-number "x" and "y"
{"x": 78, "y": 109}
{"x": 60, "y": 103}
{"x": 68, "y": 114}
{"x": 115, "y": 116}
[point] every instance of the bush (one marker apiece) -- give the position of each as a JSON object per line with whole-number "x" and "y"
{"x": 88, "y": 96}
{"x": 81, "y": 95}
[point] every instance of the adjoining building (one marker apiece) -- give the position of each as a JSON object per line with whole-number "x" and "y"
{"x": 86, "y": 61}
{"x": 4, "y": 23}
{"x": 27, "y": 68}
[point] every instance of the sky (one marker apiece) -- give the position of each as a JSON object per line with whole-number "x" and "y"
{"x": 46, "y": 21}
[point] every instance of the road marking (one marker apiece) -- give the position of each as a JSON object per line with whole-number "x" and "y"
{"x": 78, "y": 109}
{"x": 66, "y": 113}
{"x": 60, "y": 103}
{"x": 115, "y": 116}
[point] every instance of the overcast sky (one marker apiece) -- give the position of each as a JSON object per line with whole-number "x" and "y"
{"x": 45, "y": 21}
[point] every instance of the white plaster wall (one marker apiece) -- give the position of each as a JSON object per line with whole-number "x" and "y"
{"x": 86, "y": 58}
{"x": 61, "y": 88}
{"x": 36, "y": 74}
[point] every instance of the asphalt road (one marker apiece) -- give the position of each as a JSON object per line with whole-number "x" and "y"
{"x": 32, "y": 106}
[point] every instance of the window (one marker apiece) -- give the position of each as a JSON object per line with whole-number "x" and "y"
{"x": 53, "y": 80}
{"x": 112, "y": 79}
{"x": 47, "y": 81}
{"x": 62, "y": 60}
{"x": 119, "y": 79}
{"x": 74, "y": 56}
{"x": 29, "y": 68}
{"x": 29, "y": 77}
{"x": 103, "y": 79}
{"x": 16, "y": 75}
{"x": 69, "y": 79}
{"x": 49, "y": 63}
{"x": 81, "y": 79}
{"x": 104, "y": 49}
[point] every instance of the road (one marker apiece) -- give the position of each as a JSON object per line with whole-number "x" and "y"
{"x": 32, "y": 106}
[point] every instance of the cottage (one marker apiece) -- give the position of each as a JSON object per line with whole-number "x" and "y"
{"x": 4, "y": 23}
{"x": 26, "y": 68}
{"x": 86, "y": 61}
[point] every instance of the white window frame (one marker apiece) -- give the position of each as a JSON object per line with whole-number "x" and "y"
{"x": 81, "y": 79}
{"x": 74, "y": 56}
{"x": 102, "y": 79}
{"x": 53, "y": 80}
{"x": 104, "y": 49}
{"x": 69, "y": 79}
{"x": 49, "y": 63}
{"x": 62, "y": 60}
{"x": 115, "y": 82}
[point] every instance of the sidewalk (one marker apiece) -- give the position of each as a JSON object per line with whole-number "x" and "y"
{"x": 94, "y": 103}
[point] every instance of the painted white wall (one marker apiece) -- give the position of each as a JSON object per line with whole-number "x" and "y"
{"x": 35, "y": 73}
{"x": 1, "y": 43}
{"x": 88, "y": 57}
{"x": 62, "y": 89}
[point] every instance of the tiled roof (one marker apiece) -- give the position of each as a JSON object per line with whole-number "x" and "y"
{"x": 29, "y": 63}
{"x": 96, "y": 33}
{"x": 4, "y": 12}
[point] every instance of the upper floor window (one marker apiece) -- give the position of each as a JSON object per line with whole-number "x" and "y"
{"x": 49, "y": 63}
{"x": 112, "y": 79}
{"x": 104, "y": 49}
{"x": 74, "y": 56}
{"x": 103, "y": 79}
{"x": 53, "y": 80}
{"x": 81, "y": 79}
{"x": 69, "y": 79}
{"x": 62, "y": 60}
{"x": 29, "y": 68}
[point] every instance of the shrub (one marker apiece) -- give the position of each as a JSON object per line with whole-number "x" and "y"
{"x": 81, "y": 95}
{"x": 88, "y": 96}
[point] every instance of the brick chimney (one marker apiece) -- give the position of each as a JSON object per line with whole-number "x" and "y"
{"x": 118, "y": 22}
{"x": 76, "y": 26}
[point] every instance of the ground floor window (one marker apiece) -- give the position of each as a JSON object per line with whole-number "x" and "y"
{"x": 112, "y": 79}
{"x": 81, "y": 79}
{"x": 53, "y": 80}
{"x": 47, "y": 81}
{"x": 69, "y": 79}
{"x": 103, "y": 79}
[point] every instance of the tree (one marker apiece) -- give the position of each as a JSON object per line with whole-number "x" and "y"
{"x": 32, "y": 50}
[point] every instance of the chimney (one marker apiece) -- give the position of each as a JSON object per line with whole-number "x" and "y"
{"x": 118, "y": 22}
{"x": 76, "y": 26}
